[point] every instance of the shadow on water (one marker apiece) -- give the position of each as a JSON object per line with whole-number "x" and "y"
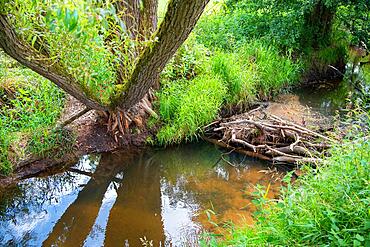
{"x": 116, "y": 199}
{"x": 325, "y": 99}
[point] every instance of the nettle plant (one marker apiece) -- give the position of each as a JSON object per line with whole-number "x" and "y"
{"x": 107, "y": 54}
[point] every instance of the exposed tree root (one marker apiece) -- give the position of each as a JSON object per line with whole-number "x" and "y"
{"x": 120, "y": 123}
{"x": 263, "y": 135}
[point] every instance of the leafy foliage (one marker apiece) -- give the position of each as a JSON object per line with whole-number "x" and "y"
{"x": 297, "y": 24}
{"x": 82, "y": 37}
{"x": 29, "y": 105}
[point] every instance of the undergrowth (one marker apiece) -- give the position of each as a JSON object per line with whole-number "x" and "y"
{"x": 255, "y": 71}
{"x": 185, "y": 106}
{"x": 29, "y": 106}
{"x": 326, "y": 207}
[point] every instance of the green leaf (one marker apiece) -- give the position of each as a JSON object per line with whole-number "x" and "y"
{"x": 73, "y": 21}
{"x": 360, "y": 238}
{"x": 67, "y": 17}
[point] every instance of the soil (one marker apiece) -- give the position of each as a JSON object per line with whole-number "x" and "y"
{"x": 91, "y": 137}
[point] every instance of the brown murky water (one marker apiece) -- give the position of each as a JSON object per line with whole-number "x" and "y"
{"x": 168, "y": 196}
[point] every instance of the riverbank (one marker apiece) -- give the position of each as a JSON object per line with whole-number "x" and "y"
{"x": 326, "y": 206}
{"x": 90, "y": 136}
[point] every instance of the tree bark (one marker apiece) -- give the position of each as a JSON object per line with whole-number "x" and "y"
{"x": 149, "y": 18}
{"x": 180, "y": 19}
{"x": 130, "y": 15}
{"x": 41, "y": 64}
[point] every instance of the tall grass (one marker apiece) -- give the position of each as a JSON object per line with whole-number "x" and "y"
{"x": 185, "y": 106}
{"x": 328, "y": 207}
{"x": 275, "y": 71}
{"x": 239, "y": 76}
{"x": 255, "y": 71}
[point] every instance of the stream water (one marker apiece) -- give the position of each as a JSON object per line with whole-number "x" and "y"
{"x": 167, "y": 196}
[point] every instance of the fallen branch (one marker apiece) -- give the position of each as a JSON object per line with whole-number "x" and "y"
{"x": 266, "y": 136}
{"x": 73, "y": 118}
{"x": 303, "y": 128}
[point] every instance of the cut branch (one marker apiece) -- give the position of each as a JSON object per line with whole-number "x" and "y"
{"x": 74, "y": 117}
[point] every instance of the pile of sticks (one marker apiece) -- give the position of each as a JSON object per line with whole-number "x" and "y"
{"x": 263, "y": 135}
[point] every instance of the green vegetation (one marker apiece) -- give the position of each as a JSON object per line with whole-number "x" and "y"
{"x": 75, "y": 34}
{"x": 325, "y": 207}
{"x": 254, "y": 70}
{"x": 259, "y": 49}
{"x": 29, "y": 107}
{"x": 195, "y": 86}
{"x": 187, "y": 105}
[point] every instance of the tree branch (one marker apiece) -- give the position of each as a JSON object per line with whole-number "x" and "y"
{"x": 40, "y": 63}
{"x": 180, "y": 19}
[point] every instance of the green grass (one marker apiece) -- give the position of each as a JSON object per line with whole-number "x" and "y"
{"x": 30, "y": 105}
{"x": 255, "y": 71}
{"x": 185, "y": 106}
{"x": 325, "y": 207}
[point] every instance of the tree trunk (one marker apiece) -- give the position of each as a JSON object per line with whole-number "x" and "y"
{"x": 29, "y": 57}
{"x": 318, "y": 23}
{"x": 180, "y": 19}
{"x": 129, "y": 10}
{"x": 149, "y": 17}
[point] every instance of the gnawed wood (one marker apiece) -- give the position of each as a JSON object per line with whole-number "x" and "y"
{"x": 263, "y": 135}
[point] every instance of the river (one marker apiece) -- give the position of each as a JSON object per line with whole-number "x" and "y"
{"x": 168, "y": 196}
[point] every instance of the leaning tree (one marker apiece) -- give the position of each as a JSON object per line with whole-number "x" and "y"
{"x": 106, "y": 54}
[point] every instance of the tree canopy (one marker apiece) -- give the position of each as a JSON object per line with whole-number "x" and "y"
{"x": 105, "y": 54}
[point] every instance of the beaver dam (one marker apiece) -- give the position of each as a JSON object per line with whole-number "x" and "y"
{"x": 281, "y": 132}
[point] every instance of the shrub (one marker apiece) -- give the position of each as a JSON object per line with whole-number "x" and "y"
{"x": 29, "y": 105}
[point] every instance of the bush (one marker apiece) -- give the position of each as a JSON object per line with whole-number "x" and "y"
{"x": 188, "y": 61}
{"x": 29, "y": 104}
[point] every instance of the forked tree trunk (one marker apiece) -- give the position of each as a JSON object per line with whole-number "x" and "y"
{"x": 180, "y": 19}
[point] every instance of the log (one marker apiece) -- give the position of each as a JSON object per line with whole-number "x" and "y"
{"x": 237, "y": 150}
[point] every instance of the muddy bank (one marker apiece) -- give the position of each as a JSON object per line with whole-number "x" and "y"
{"x": 91, "y": 137}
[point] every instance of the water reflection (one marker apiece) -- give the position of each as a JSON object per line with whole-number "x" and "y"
{"x": 324, "y": 100}
{"x": 116, "y": 199}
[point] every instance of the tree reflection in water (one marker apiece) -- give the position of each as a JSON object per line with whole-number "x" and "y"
{"x": 160, "y": 195}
